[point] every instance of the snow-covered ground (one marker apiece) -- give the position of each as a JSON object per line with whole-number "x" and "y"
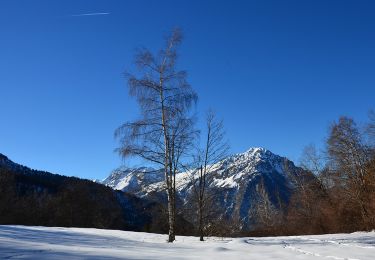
{"x": 20, "y": 242}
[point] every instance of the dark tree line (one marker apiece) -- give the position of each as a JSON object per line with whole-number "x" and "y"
{"x": 30, "y": 197}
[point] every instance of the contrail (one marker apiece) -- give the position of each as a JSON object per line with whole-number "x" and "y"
{"x": 90, "y": 14}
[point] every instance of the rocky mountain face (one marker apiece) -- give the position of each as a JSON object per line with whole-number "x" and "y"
{"x": 236, "y": 185}
{"x": 134, "y": 180}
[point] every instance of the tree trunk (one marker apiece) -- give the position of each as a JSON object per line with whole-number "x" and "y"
{"x": 200, "y": 222}
{"x": 171, "y": 216}
{"x": 200, "y": 204}
{"x": 168, "y": 175}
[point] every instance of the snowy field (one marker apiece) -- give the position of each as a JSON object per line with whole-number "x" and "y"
{"x": 20, "y": 242}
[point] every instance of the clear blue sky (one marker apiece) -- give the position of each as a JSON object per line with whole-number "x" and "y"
{"x": 277, "y": 72}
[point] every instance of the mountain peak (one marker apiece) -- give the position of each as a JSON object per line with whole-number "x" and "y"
{"x": 252, "y": 157}
{"x": 258, "y": 152}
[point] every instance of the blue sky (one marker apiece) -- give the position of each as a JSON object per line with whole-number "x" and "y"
{"x": 277, "y": 72}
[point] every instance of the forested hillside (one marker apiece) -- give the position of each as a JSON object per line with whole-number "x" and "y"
{"x": 31, "y": 197}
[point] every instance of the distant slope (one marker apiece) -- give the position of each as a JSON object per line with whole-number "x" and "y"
{"x": 32, "y": 197}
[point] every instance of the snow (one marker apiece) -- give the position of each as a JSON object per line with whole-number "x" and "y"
{"x": 226, "y": 182}
{"x": 20, "y": 242}
{"x": 132, "y": 179}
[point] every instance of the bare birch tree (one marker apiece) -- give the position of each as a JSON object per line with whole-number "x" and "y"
{"x": 165, "y": 130}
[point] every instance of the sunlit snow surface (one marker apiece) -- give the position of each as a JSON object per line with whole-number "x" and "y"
{"x": 20, "y": 242}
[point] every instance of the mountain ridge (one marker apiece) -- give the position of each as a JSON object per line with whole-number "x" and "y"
{"x": 236, "y": 182}
{"x": 119, "y": 179}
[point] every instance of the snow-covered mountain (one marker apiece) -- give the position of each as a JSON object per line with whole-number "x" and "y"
{"x": 234, "y": 182}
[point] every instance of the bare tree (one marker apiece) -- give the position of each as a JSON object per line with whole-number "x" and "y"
{"x": 315, "y": 162}
{"x": 215, "y": 149}
{"x": 267, "y": 215}
{"x": 311, "y": 160}
{"x": 350, "y": 159}
{"x": 165, "y": 130}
